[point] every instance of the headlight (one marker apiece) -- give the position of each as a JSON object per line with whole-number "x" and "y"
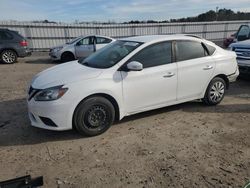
{"x": 50, "y": 94}
{"x": 57, "y": 49}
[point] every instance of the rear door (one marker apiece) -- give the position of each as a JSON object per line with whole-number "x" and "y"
{"x": 195, "y": 69}
{"x": 84, "y": 47}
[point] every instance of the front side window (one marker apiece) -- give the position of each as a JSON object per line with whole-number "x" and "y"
{"x": 110, "y": 55}
{"x": 186, "y": 50}
{"x": 154, "y": 55}
{"x": 84, "y": 41}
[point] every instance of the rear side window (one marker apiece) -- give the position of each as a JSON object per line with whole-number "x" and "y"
{"x": 186, "y": 50}
{"x": 210, "y": 49}
{"x": 102, "y": 40}
{"x": 154, "y": 55}
{"x": 4, "y": 35}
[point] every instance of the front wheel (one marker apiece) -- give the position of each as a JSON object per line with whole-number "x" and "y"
{"x": 67, "y": 56}
{"x": 215, "y": 91}
{"x": 94, "y": 116}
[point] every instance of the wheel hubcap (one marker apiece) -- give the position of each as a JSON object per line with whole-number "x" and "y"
{"x": 8, "y": 57}
{"x": 97, "y": 116}
{"x": 217, "y": 91}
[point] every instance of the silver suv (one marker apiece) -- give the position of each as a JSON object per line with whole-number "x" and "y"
{"x": 79, "y": 47}
{"x": 12, "y": 46}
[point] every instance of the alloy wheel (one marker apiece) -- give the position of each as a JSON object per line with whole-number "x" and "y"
{"x": 9, "y": 56}
{"x": 217, "y": 91}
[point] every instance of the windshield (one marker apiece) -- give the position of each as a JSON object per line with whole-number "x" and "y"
{"x": 110, "y": 55}
{"x": 74, "y": 40}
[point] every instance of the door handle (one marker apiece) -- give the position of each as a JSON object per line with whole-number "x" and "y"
{"x": 208, "y": 67}
{"x": 168, "y": 75}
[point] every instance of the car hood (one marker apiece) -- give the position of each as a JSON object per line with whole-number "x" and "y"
{"x": 244, "y": 44}
{"x": 64, "y": 74}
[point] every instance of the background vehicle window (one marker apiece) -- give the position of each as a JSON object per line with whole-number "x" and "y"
{"x": 101, "y": 40}
{"x": 243, "y": 33}
{"x": 186, "y": 50}
{"x": 84, "y": 41}
{"x": 5, "y": 35}
{"x": 155, "y": 55}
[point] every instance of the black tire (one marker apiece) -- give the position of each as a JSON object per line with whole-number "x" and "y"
{"x": 94, "y": 116}
{"x": 8, "y": 56}
{"x": 67, "y": 56}
{"x": 215, "y": 91}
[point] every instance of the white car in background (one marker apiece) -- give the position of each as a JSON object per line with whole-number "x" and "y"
{"x": 129, "y": 76}
{"x": 80, "y": 47}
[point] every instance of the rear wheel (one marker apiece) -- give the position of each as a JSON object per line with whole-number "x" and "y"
{"x": 67, "y": 56}
{"x": 8, "y": 56}
{"x": 94, "y": 116}
{"x": 215, "y": 91}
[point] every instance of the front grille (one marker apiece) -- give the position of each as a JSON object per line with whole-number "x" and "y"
{"x": 244, "y": 70}
{"x": 242, "y": 53}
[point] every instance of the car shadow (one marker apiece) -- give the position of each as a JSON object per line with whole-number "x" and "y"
{"x": 15, "y": 127}
{"x": 41, "y": 61}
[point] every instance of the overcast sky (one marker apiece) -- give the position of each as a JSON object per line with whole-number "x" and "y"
{"x": 113, "y": 10}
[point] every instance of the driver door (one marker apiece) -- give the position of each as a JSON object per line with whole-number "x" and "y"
{"x": 155, "y": 85}
{"x": 84, "y": 47}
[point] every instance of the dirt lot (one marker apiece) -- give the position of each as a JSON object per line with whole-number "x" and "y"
{"x": 187, "y": 145}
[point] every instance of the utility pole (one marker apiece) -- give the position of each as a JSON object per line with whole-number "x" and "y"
{"x": 217, "y": 10}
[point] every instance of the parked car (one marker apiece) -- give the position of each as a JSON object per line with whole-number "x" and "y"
{"x": 12, "y": 46}
{"x": 129, "y": 76}
{"x": 80, "y": 47}
{"x": 242, "y": 50}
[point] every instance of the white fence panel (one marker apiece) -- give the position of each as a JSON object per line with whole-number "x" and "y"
{"x": 43, "y": 36}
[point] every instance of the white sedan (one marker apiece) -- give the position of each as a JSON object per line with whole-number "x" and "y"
{"x": 80, "y": 47}
{"x": 129, "y": 76}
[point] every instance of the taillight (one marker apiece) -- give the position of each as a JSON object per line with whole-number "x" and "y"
{"x": 24, "y": 43}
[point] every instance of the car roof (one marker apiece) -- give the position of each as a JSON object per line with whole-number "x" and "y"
{"x": 82, "y": 36}
{"x": 4, "y": 29}
{"x": 152, "y": 38}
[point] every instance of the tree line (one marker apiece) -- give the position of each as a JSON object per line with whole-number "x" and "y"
{"x": 220, "y": 15}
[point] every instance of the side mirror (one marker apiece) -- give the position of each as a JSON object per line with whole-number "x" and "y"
{"x": 134, "y": 66}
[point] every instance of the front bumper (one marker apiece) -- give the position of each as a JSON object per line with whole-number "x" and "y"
{"x": 55, "y": 55}
{"x": 56, "y": 111}
{"x": 24, "y": 52}
{"x": 244, "y": 66}
{"x": 233, "y": 77}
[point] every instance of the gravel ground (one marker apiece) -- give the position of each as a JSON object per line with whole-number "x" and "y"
{"x": 187, "y": 145}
